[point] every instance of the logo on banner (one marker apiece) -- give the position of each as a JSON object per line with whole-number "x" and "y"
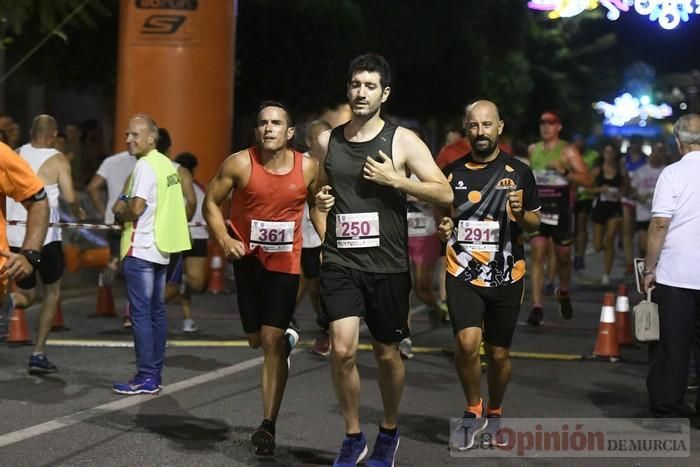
{"x": 163, "y": 24}
{"x": 176, "y": 25}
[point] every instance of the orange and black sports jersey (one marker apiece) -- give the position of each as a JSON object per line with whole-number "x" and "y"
{"x": 486, "y": 247}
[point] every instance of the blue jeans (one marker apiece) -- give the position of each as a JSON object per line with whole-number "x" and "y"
{"x": 145, "y": 288}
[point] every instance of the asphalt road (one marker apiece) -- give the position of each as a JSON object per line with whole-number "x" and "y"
{"x": 211, "y": 399}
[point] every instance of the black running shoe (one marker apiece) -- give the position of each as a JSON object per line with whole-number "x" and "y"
{"x": 536, "y": 317}
{"x": 565, "y": 309}
{"x": 264, "y": 441}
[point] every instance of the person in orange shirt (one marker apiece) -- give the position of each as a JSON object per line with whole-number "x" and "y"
{"x": 18, "y": 181}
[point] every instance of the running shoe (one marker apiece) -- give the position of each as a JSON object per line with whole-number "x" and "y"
{"x": 264, "y": 440}
{"x": 291, "y": 338}
{"x": 565, "y": 309}
{"x": 352, "y": 452}
{"x": 188, "y": 325}
{"x": 40, "y": 365}
{"x": 468, "y": 432}
{"x": 138, "y": 385}
{"x": 444, "y": 312}
{"x": 491, "y": 438}
{"x": 536, "y": 317}
{"x": 406, "y": 348}
{"x": 322, "y": 345}
{"x": 384, "y": 451}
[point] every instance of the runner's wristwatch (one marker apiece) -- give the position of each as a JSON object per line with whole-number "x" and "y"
{"x": 33, "y": 256}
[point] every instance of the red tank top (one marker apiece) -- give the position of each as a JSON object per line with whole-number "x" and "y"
{"x": 267, "y": 214}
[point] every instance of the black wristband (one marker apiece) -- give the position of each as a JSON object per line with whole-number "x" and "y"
{"x": 33, "y": 256}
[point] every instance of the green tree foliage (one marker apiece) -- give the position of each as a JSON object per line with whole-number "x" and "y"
{"x": 79, "y": 52}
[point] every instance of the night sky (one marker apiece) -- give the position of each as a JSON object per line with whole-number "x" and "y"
{"x": 668, "y": 51}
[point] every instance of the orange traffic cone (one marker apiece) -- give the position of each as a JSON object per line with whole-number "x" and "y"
{"x": 105, "y": 300}
{"x": 216, "y": 270}
{"x": 606, "y": 343}
{"x": 58, "y": 324}
{"x": 622, "y": 317}
{"x": 18, "y": 332}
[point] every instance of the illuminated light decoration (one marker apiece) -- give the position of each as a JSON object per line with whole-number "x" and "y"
{"x": 614, "y": 8}
{"x": 627, "y": 108}
{"x": 668, "y": 13}
{"x": 563, "y": 8}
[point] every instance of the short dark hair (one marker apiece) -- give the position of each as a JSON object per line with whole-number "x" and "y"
{"x": 273, "y": 103}
{"x": 187, "y": 160}
{"x": 163, "y": 142}
{"x": 372, "y": 63}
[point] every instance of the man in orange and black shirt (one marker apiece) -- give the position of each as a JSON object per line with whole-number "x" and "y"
{"x": 495, "y": 203}
{"x": 18, "y": 181}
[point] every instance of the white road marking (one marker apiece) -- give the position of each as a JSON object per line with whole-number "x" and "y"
{"x": 123, "y": 403}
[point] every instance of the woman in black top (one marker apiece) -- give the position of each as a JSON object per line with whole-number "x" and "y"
{"x": 608, "y": 186}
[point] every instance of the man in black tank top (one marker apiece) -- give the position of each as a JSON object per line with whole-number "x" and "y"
{"x": 365, "y": 254}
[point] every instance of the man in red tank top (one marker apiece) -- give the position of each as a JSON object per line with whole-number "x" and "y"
{"x": 270, "y": 184}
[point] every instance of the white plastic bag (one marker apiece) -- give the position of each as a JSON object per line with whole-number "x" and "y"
{"x": 646, "y": 320}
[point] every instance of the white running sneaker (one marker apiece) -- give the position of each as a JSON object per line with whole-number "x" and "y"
{"x": 291, "y": 337}
{"x": 406, "y": 348}
{"x": 188, "y": 325}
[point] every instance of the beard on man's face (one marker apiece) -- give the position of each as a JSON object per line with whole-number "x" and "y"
{"x": 481, "y": 149}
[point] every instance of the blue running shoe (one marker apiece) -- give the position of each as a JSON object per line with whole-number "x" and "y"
{"x": 40, "y": 365}
{"x": 384, "y": 451}
{"x": 352, "y": 452}
{"x": 138, "y": 385}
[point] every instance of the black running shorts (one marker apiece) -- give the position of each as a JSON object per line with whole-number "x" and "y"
{"x": 50, "y": 267}
{"x": 496, "y": 308}
{"x": 175, "y": 273}
{"x": 199, "y": 249}
{"x": 603, "y": 211}
{"x": 265, "y": 298}
{"x": 561, "y": 234}
{"x": 381, "y": 298}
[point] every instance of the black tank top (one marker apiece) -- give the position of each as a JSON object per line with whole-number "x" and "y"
{"x": 615, "y": 182}
{"x": 353, "y": 195}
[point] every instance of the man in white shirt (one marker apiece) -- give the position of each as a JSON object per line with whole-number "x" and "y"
{"x": 155, "y": 225}
{"x": 671, "y": 265}
{"x": 54, "y": 170}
